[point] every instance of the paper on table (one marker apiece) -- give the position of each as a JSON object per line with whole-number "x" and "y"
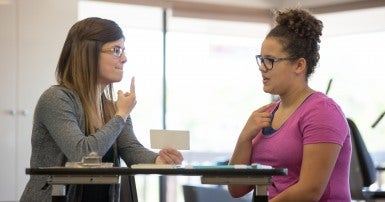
{"x": 177, "y": 139}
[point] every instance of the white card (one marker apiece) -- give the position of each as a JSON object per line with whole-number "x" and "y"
{"x": 177, "y": 139}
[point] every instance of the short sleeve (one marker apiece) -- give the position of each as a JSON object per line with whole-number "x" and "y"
{"x": 324, "y": 122}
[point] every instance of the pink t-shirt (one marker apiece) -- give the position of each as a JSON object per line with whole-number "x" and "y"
{"x": 318, "y": 120}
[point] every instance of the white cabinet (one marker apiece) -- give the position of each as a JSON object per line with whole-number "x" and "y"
{"x": 31, "y": 37}
{"x": 8, "y": 114}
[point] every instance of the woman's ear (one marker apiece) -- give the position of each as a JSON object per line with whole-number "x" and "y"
{"x": 301, "y": 66}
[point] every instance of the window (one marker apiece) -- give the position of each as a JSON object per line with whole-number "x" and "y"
{"x": 211, "y": 73}
{"x": 213, "y": 83}
{"x": 352, "y": 55}
{"x": 142, "y": 29}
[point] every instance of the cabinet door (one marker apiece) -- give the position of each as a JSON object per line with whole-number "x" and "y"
{"x": 8, "y": 111}
{"x": 31, "y": 39}
{"x": 41, "y": 31}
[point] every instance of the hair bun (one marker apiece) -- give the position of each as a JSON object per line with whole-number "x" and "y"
{"x": 301, "y": 22}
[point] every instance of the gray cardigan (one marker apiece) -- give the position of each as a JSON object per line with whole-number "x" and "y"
{"x": 58, "y": 136}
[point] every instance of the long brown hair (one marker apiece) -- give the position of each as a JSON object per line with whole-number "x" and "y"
{"x": 78, "y": 67}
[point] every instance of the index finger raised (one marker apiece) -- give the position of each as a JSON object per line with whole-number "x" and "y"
{"x": 132, "y": 86}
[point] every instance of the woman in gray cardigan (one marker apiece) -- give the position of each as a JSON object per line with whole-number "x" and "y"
{"x": 79, "y": 115}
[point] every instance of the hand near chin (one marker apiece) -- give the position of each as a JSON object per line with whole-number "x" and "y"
{"x": 126, "y": 101}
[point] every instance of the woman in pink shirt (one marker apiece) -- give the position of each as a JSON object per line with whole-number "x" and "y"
{"x": 305, "y": 131}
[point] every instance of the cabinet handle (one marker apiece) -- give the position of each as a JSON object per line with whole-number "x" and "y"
{"x": 24, "y": 112}
{"x": 12, "y": 112}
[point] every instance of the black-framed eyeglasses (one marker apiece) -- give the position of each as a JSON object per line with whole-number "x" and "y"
{"x": 116, "y": 51}
{"x": 268, "y": 62}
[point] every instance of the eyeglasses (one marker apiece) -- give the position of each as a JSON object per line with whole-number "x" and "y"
{"x": 268, "y": 62}
{"x": 116, "y": 51}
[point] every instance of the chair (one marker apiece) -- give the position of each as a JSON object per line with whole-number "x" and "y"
{"x": 128, "y": 189}
{"x": 193, "y": 193}
{"x": 363, "y": 173}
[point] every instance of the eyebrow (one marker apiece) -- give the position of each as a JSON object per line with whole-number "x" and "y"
{"x": 115, "y": 46}
{"x": 268, "y": 56}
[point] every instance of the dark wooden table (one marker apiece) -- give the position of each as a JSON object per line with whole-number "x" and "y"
{"x": 60, "y": 176}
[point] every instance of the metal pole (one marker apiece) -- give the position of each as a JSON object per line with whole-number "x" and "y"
{"x": 163, "y": 179}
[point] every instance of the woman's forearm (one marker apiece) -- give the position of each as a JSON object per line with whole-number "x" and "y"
{"x": 241, "y": 155}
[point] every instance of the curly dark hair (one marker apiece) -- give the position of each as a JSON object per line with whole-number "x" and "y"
{"x": 299, "y": 32}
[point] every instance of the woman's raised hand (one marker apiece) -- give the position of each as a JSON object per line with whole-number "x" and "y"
{"x": 126, "y": 101}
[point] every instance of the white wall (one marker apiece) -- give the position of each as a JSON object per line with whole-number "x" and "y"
{"x": 31, "y": 39}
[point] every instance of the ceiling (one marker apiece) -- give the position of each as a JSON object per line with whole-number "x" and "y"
{"x": 250, "y": 10}
{"x": 321, "y": 6}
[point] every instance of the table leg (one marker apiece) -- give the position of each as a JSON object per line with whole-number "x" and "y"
{"x": 261, "y": 184}
{"x": 58, "y": 193}
{"x": 261, "y": 193}
{"x": 261, "y": 199}
{"x": 59, "y": 199}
